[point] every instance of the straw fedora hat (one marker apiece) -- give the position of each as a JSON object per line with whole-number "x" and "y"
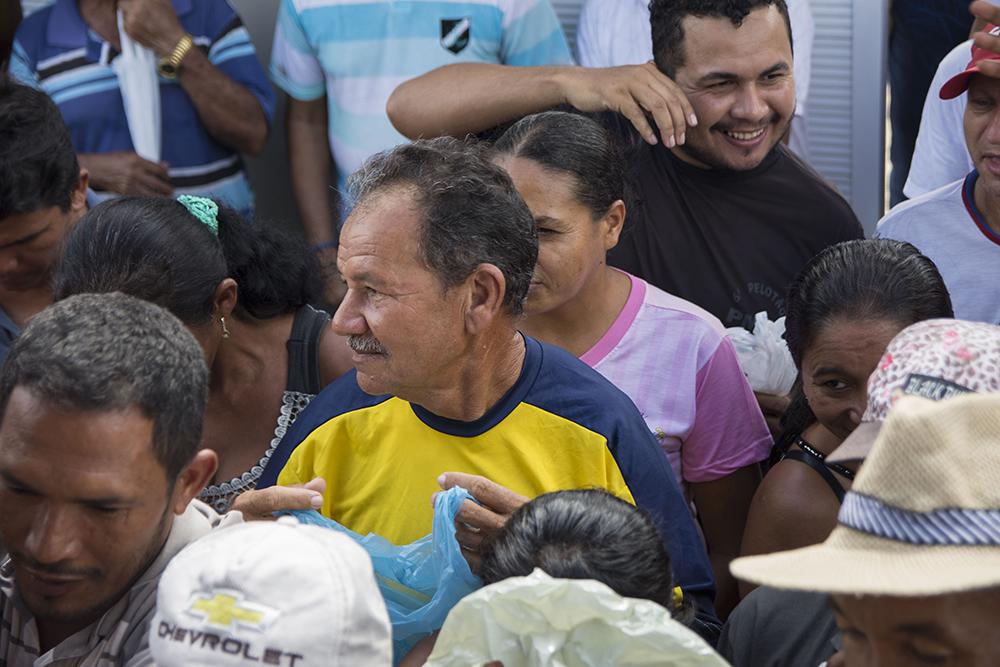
{"x": 935, "y": 359}
{"x": 923, "y": 515}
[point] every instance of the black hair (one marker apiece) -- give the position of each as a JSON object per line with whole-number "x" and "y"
{"x": 666, "y": 18}
{"x": 575, "y": 145}
{"x": 471, "y": 212}
{"x": 863, "y": 279}
{"x": 109, "y": 352}
{"x": 585, "y": 534}
{"x": 879, "y": 279}
{"x": 154, "y": 249}
{"x": 38, "y": 166}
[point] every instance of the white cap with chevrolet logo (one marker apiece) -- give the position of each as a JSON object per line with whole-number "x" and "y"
{"x": 266, "y": 593}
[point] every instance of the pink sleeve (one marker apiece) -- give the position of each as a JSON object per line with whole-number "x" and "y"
{"x": 729, "y": 430}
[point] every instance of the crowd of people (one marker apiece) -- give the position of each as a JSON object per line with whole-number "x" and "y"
{"x": 521, "y": 290}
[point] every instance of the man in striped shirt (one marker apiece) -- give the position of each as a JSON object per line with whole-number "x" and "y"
{"x": 101, "y": 398}
{"x": 215, "y": 99}
{"x": 339, "y": 60}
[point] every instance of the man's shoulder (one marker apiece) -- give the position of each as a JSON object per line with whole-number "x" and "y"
{"x": 569, "y": 388}
{"x": 933, "y": 211}
{"x": 340, "y": 397}
{"x": 31, "y": 35}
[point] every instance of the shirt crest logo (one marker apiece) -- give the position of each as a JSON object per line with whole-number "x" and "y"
{"x": 455, "y": 34}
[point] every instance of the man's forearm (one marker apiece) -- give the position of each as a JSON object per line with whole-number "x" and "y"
{"x": 230, "y": 112}
{"x": 466, "y": 98}
{"x": 309, "y": 160}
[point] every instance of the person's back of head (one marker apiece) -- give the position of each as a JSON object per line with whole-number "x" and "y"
{"x": 285, "y": 593}
{"x": 38, "y": 166}
{"x": 666, "y": 19}
{"x": 155, "y": 249}
{"x": 470, "y": 212}
{"x": 863, "y": 279}
{"x": 585, "y": 534}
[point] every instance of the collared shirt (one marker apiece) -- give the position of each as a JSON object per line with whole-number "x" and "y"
{"x": 357, "y": 51}
{"x": 120, "y": 636}
{"x": 56, "y": 51}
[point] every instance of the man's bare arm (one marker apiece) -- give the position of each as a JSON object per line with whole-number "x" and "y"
{"x": 468, "y": 98}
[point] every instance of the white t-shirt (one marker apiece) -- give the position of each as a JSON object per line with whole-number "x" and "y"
{"x": 617, "y": 32}
{"x": 941, "y": 156}
{"x": 946, "y": 226}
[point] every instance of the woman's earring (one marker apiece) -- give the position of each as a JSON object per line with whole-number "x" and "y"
{"x": 225, "y": 329}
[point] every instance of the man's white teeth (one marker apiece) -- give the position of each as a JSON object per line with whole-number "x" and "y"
{"x": 746, "y": 136}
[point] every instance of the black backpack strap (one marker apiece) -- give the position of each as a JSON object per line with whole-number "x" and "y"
{"x": 820, "y": 467}
{"x": 303, "y": 350}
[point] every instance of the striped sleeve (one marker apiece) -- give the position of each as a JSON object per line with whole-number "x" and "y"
{"x": 294, "y": 65}
{"x": 232, "y": 52}
{"x": 21, "y": 67}
{"x": 532, "y": 35}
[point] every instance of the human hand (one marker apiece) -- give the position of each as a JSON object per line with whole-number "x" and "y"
{"x": 261, "y": 504}
{"x": 774, "y": 408}
{"x": 475, "y": 524}
{"x": 126, "y": 173}
{"x": 990, "y": 13}
{"x": 152, "y": 23}
{"x": 632, "y": 91}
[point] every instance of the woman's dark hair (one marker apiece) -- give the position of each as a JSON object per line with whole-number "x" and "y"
{"x": 571, "y": 144}
{"x": 585, "y": 534}
{"x": 154, "y": 249}
{"x": 863, "y": 279}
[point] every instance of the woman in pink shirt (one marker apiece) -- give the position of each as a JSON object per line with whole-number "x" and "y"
{"x": 671, "y": 357}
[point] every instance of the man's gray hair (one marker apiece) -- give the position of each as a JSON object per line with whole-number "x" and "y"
{"x": 472, "y": 213}
{"x": 109, "y": 352}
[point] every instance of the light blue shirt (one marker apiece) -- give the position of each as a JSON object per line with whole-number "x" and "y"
{"x": 356, "y": 53}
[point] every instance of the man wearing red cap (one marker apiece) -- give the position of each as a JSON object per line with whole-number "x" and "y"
{"x": 958, "y": 225}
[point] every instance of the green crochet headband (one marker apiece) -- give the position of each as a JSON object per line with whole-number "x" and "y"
{"x": 203, "y": 208}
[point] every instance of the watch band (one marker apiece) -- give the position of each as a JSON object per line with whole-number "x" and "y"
{"x": 169, "y": 66}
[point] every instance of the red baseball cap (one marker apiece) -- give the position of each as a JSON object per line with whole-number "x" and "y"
{"x": 959, "y": 83}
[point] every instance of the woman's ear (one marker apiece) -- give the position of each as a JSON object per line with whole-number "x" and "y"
{"x": 612, "y": 223}
{"x": 226, "y": 296}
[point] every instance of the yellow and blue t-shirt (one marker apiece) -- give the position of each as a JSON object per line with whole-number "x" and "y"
{"x": 561, "y": 426}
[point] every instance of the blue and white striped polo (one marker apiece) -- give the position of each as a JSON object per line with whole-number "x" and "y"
{"x": 357, "y": 52}
{"x": 56, "y": 51}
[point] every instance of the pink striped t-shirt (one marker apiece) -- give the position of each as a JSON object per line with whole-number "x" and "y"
{"x": 674, "y": 361}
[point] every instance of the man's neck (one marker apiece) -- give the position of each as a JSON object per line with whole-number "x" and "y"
{"x": 488, "y": 371}
{"x": 987, "y": 205}
{"x": 22, "y": 305}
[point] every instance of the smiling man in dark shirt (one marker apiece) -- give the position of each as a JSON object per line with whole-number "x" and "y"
{"x": 726, "y": 215}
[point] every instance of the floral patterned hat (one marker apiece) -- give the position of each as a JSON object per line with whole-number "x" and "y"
{"x": 934, "y": 359}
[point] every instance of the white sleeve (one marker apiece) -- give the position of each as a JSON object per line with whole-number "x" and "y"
{"x": 803, "y": 31}
{"x": 588, "y": 32}
{"x": 614, "y": 32}
{"x": 941, "y": 156}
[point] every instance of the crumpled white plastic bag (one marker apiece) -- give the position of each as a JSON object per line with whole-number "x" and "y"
{"x": 538, "y": 621}
{"x": 140, "y": 88}
{"x": 764, "y": 355}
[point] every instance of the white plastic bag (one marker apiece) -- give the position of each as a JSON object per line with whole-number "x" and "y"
{"x": 538, "y": 621}
{"x": 764, "y": 355}
{"x": 140, "y": 87}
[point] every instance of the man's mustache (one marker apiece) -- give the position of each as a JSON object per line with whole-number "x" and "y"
{"x": 367, "y": 344}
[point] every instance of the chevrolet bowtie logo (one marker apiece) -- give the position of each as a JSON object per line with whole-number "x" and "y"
{"x": 226, "y": 611}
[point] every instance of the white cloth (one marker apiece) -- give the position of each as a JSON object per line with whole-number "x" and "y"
{"x": 941, "y": 155}
{"x": 617, "y": 32}
{"x": 140, "y": 88}
{"x": 947, "y": 228}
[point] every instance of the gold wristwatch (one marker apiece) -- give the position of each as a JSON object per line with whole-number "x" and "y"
{"x": 169, "y": 66}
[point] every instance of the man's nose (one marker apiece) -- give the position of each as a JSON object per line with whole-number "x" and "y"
{"x": 54, "y": 537}
{"x": 349, "y": 320}
{"x": 750, "y": 104}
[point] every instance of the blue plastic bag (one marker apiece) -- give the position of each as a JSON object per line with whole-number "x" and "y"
{"x": 420, "y": 581}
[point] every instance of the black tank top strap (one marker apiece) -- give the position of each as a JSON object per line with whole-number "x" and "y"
{"x": 817, "y": 464}
{"x": 303, "y": 350}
